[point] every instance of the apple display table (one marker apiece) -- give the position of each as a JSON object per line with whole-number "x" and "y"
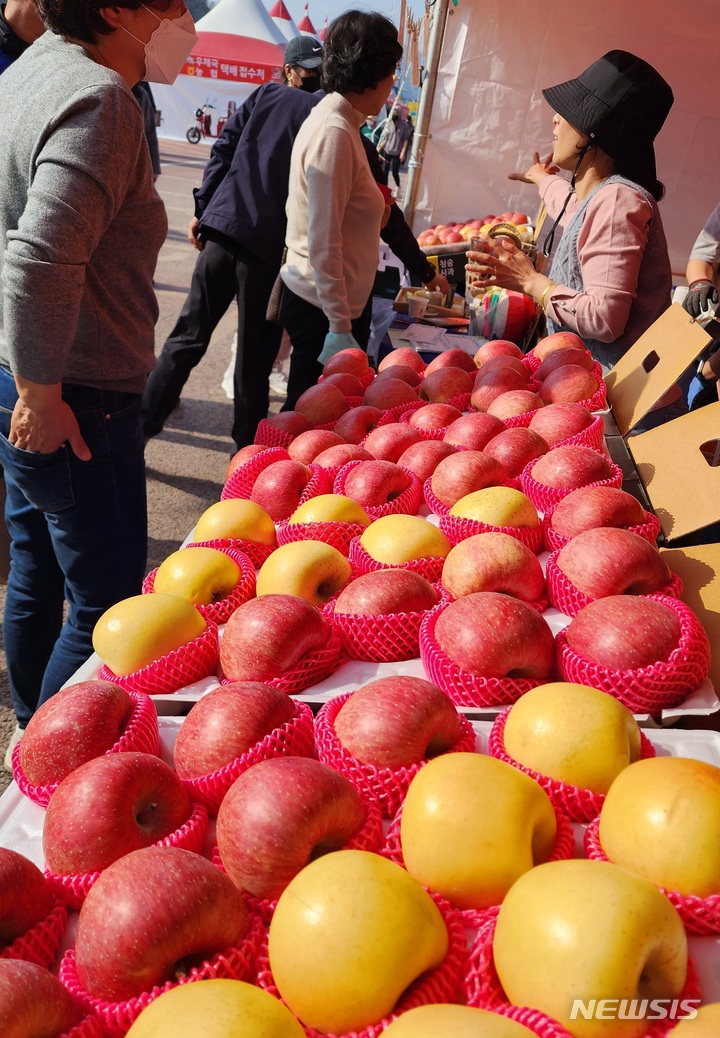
{"x": 21, "y": 824}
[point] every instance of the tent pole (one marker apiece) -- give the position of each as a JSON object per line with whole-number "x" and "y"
{"x": 427, "y": 96}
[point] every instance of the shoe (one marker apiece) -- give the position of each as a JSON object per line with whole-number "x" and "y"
{"x": 14, "y": 740}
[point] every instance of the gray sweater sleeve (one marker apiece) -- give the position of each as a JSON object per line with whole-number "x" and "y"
{"x": 80, "y": 172}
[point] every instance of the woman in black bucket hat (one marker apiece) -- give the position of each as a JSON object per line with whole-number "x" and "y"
{"x": 610, "y": 276}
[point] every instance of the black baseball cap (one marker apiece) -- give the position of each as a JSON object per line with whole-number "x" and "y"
{"x": 621, "y": 103}
{"x": 304, "y": 51}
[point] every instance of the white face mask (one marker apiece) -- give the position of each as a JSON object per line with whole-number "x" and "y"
{"x": 168, "y": 48}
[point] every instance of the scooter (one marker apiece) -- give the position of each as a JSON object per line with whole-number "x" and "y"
{"x": 203, "y": 125}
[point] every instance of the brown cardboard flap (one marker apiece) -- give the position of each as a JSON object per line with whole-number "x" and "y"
{"x": 681, "y": 482}
{"x": 699, "y": 568}
{"x": 652, "y": 365}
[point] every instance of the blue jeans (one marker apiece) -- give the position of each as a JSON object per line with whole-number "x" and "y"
{"x": 78, "y": 533}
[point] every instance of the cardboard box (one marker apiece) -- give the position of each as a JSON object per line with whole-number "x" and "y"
{"x": 699, "y": 568}
{"x": 400, "y": 305}
{"x": 676, "y": 462}
{"x": 652, "y": 365}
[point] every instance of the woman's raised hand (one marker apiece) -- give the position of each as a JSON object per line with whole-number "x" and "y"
{"x": 537, "y": 171}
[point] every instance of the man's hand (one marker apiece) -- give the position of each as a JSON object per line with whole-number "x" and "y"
{"x": 537, "y": 171}
{"x": 194, "y": 234}
{"x": 702, "y": 295}
{"x": 42, "y": 422}
{"x": 438, "y": 284}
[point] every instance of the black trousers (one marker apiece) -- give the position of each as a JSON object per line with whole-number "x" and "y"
{"x": 307, "y": 327}
{"x": 391, "y": 165}
{"x": 219, "y": 277}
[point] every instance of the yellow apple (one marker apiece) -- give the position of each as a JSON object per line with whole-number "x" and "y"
{"x": 440, "y": 1019}
{"x": 705, "y": 1025}
{"x": 497, "y": 506}
{"x": 311, "y": 570}
{"x": 661, "y": 818}
{"x": 583, "y": 930}
{"x": 235, "y": 519}
{"x": 216, "y": 1009}
{"x": 138, "y": 630}
{"x": 394, "y": 539}
{"x": 350, "y": 932}
{"x": 572, "y": 733}
{"x": 201, "y": 575}
{"x": 330, "y": 508}
{"x": 471, "y": 825}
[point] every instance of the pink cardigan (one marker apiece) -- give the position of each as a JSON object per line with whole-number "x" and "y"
{"x": 626, "y": 285}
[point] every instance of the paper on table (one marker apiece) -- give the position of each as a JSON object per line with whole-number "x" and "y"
{"x": 470, "y": 343}
{"x": 422, "y": 333}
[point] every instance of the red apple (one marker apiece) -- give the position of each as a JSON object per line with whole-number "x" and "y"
{"x": 25, "y": 897}
{"x": 290, "y": 422}
{"x": 404, "y": 372}
{"x": 453, "y": 358}
{"x": 109, "y": 806}
{"x": 279, "y": 487}
{"x": 387, "y": 442}
{"x": 624, "y": 632}
{"x": 497, "y": 348}
{"x": 558, "y": 422}
{"x": 493, "y": 562}
{"x": 567, "y": 384}
{"x": 473, "y": 430}
{"x": 515, "y": 447}
{"x": 465, "y": 472}
{"x": 609, "y": 561}
{"x": 423, "y": 457}
{"x": 341, "y": 454}
{"x": 33, "y": 1003}
{"x": 571, "y": 466}
{"x": 397, "y": 721}
{"x": 78, "y": 723}
{"x": 386, "y": 591}
{"x": 225, "y": 723}
{"x": 497, "y": 381}
{"x": 373, "y": 483}
{"x": 496, "y": 636}
{"x": 151, "y": 914}
{"x": 322, "y": 403}
{"x": 356, "y": 423}
{"x": 445, "y": 384}
{"x": 583, "y": 359}
{"x": 519, "y": 219}
{"x": 280, "y": 815}
{"x": 267, "y": 636}
{"x": 589, "y": 507}
{"x": 242, "y": 456}
{"x": 347, "y": 383}
{"x": 308, "y": 445}
{"x": 353, "y": 360}
{"x": 513, "y": 403}
{"x": 434, "y": 416}
{"x": 557, "y": 341}
{"x": 505, "y": 361}
{"x": 388, "y": 392}
{"x": 404, "y": 355}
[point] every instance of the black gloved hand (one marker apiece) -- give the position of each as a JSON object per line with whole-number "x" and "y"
{"x": 700, "y": 294}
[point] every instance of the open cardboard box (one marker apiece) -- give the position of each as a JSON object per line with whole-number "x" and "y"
{"x": 675, "y": 462}
{"x": 400, "y": 305}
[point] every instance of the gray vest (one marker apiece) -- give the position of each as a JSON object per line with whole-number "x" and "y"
{"x": 566, "y": 270}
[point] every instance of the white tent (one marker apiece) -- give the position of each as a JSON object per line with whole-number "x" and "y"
{"x": 282, "y": 18}
{"x": 489, "y": 117}
{"x": 239, "y": 48}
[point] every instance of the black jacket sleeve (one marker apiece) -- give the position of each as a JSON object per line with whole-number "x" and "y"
{"x": 396, "y": 232}
{"x": 221, "y": 155}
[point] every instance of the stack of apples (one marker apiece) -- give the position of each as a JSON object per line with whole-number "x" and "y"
{"x": 462, "y": 231}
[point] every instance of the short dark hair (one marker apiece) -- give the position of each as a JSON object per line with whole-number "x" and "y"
{"x": 81, "y": 19}
{"x": 360, "y": 50}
